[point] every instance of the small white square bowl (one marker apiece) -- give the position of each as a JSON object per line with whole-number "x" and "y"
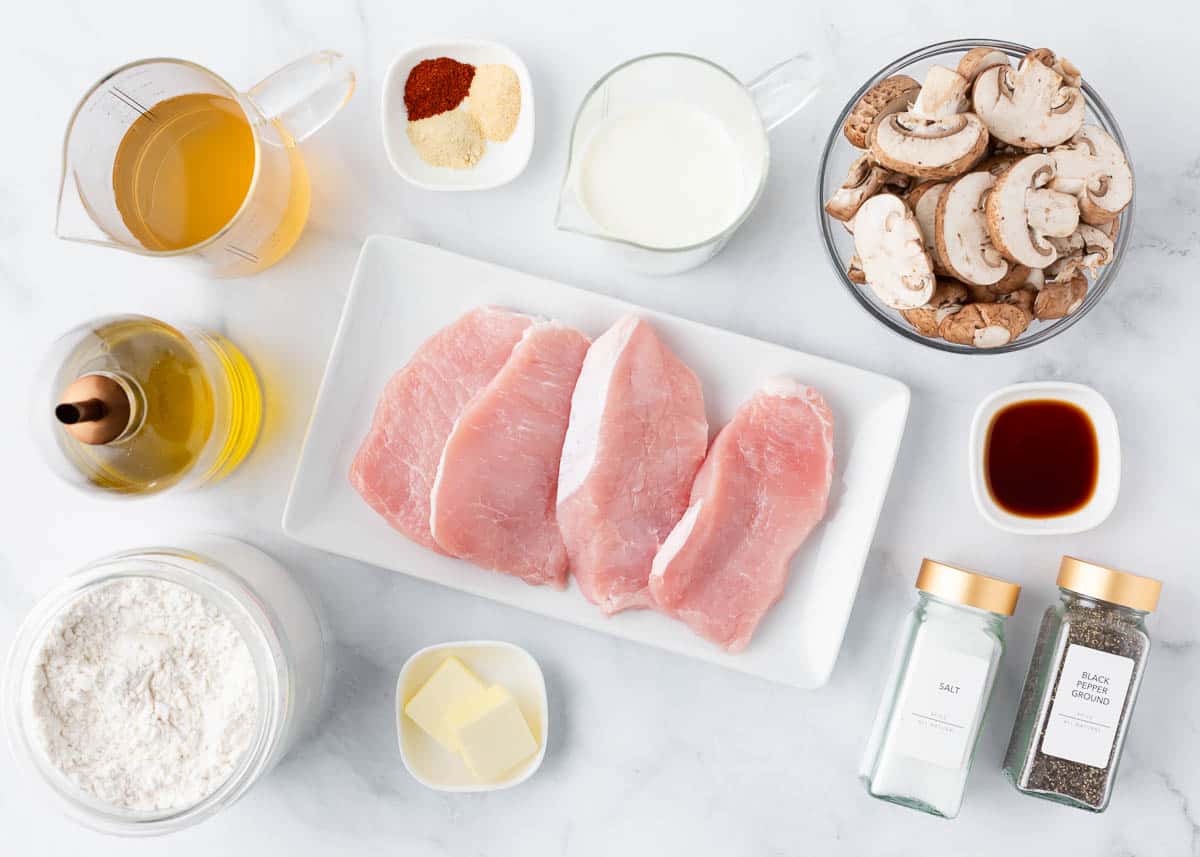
{"x": 495, "y": 662}
{"x": 502, "y": 162}
{"x": 1108, "y": 447}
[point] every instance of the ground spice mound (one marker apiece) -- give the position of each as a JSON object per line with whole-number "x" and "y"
{"x": 495, "y": 99}
{"x": 451, "y": 139}
{"x": 435, "y": 86}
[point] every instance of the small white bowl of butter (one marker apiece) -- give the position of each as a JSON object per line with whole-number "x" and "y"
{"x": 497, "y": 665}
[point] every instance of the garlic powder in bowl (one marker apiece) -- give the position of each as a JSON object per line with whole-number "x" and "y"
{"x": 144, "y": 695}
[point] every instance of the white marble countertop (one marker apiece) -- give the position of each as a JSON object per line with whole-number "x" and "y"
{"x": 650, "y": 753}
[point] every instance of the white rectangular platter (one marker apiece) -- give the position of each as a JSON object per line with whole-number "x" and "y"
{"x": 404, "y": 291}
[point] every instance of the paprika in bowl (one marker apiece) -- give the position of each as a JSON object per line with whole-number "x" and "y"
{"x": 425, "y": 85}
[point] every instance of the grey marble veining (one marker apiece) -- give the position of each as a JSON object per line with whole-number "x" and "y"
{"x": 649, "y": 753}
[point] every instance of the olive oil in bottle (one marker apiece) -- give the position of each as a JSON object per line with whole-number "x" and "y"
{"x": 139, "y": 406}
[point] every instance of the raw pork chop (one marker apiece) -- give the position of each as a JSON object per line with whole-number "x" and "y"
{"x": 759, "y": 493}
{"x": 636, "y": 437}
{"x": 493, "y": 498}
{"x": 396, "y": 464}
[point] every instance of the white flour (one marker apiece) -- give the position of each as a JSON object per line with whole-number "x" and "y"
{"x": 144, "y": 695}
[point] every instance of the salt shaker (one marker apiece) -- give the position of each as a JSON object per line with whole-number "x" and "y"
{"x": 1082, "y": 683}
{"x": 929, "y": 719}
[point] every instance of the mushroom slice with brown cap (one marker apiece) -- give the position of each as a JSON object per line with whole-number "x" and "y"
{"x": 998, "y": 162}
{"x": 1032, "y": 107}
{"x": 864, "y": 180}
{"x": 1058, "y": 300}
{"x": 961, "y": 233}
{"x": 978, "y": 60}
{"x": 948, "y": 297}
{"x": 855, "y": 273}
{"x": 984, "y": 325}
{"x": 944, "y": 93}
{"x": 922, "y": 200}
{"x": 1066, "y": 69}
{"x": 894, "y": 261}
{"x": 1018, "y": 277}
{"x": 927, "y": 148}
{"x": 1091, "y": 167}
{"x": 1088, "y": 249}
{"x": 891, "y": 95}
{"x": 1022, "y": 213}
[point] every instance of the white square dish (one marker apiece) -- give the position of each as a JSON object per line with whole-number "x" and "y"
{"x": 1108, "y": 445}
{"x": 495, "y": 662}
{"x": 404, "y": 291}
{"x": 502, "y": 162}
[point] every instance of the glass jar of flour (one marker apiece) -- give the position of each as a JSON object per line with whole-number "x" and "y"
{"x": 929, "y": 719}
{"x": 153, "y": 688}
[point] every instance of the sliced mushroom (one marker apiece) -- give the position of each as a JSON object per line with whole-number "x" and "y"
{"x": 929, "y": 148}
{"x": 1022, "y": 212}
{"x": 961, "y": 233}
{"x": 923, "y": 202}
{"x": 1057, "y": 300}
{"x": 855, "y": 273}
{"x": 888, "y": 241}
{"x": 984, "y": 325}
{"x": 1088, "y": 249}
{"x": 1112, "y": 229}
{"x": 1018, "y": 277}
{"x": 978, "y": 60}
{"x": 1022, "y": 297}
{"x": 1066, "y": 69}
{"x": 944, "y": 93}
{"x": 998, "y": 163}
{"x": 1092, "y": 167}
{"x": 1032, "y": 107}
{"x": 891, "y": 95}
{"x": 864, "y": 180}
{"x": 948, "y": 298}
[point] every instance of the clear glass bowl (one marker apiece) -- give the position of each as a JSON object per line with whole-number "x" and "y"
{"x": 839, "y": 154}
{"x": 270, "y": 611}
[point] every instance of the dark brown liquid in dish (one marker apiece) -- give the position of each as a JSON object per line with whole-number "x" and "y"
{"x": 1041, "y": 458}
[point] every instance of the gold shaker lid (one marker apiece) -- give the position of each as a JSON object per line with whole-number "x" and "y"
{"x": 1108, "y": 584}
{"x": 969, "y": 588}
{"x": 94, "y": 409}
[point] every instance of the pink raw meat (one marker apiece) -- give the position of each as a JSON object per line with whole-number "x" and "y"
{"x": 494, "y": 495}
{"x": 397, "y": 462}
{"x": 636, "y": 437}
{"x": 759, "y": 493}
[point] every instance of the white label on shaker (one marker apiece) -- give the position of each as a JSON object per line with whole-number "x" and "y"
{"x": 1087, "y": 706}
{"x": 938, "y": 705}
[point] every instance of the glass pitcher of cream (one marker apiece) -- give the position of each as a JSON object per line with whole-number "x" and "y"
{"x": 669, "y": 155}
{"x": 164, "y": 158}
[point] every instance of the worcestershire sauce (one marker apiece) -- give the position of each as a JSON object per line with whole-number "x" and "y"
{"x": 1041, "y": 458}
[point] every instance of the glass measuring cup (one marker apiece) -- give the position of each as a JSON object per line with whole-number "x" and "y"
{"x": 647, "y": 83}
{"x": 282, "y": 110}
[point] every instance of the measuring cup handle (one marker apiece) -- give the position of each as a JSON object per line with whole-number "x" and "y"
{"x": 305, "y": 94}
{"x": 781, "y": 92}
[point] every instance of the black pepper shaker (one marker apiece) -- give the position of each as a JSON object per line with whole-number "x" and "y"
{"x": 1082, "y": 683}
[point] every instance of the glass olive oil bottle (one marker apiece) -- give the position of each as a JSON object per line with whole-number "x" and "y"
{"x": 138, "y": 406}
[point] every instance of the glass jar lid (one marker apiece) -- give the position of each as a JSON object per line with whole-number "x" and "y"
{"x": 1108, "y": 584}
{"x": 969, "y": 588}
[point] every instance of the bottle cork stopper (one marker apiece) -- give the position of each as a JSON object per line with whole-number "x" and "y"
{"x": 94, "y": 409}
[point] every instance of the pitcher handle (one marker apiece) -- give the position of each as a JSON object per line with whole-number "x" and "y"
{"x": 781, "y": 92}
{"x": 305, "y": 94}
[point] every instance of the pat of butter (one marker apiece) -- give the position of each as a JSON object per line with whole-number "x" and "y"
{"x": 451, "y": 683}
{"x": 492, "y": 734}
